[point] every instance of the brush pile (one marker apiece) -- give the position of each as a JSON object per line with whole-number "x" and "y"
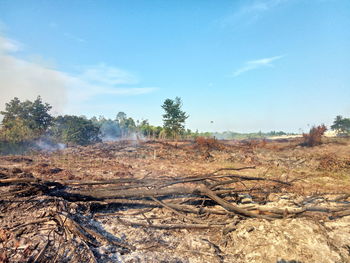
{"x": 95, "y": 221}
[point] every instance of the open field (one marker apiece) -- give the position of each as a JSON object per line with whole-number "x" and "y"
{"x": 185, "y": 201}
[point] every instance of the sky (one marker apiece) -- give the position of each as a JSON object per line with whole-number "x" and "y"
{"x": 243, "y": 65}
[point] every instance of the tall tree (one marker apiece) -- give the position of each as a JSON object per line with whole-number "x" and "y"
{"x": 174, "y": 117}
{"x": 121, "y": 116}
{"x": 341, "y": 125}
{"x": 127, "y": 125}
{"x": 34, "y": 115}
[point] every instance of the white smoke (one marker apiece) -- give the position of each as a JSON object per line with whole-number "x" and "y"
{"x": 47, "y": 145}
{"x": 27, "y": 80}
{"x": 65, "y": 92}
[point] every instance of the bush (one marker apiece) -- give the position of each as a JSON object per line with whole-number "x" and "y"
{"x": 208, "y": 143}
{"x": 314, "y": 137}
{"x": 17, "y": 131}
{"x": 75, "y": 130}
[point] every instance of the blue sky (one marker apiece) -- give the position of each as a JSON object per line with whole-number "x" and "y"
{"x": 245, "y": 65}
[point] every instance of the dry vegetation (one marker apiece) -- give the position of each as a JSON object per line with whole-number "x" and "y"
{"x": 314, "y": 137}
{"x": 184, "y": 201}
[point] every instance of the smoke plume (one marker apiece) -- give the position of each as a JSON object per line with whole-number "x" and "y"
{"x": 66, "y": 92}
{"x": 26, "y": 80}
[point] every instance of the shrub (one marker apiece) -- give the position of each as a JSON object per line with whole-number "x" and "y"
{"x": 208, "y": 143}
{"x": 314, "y": 137}
{"x": 17, "y": 131}
{"x": 75, "y": 130}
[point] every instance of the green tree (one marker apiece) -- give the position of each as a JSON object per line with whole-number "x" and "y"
{"x": 16, "y": 132}
{"x": 148, "y": 130}
{"x": 75, "y": 130}
{"x": 130, "y": 125}
{"x": 127, "y": 125}
{"x": 156, "y": 130}
{"x": 174, "y": 118}
{"x": 110, "y": 130}
{"x": 341, "y": 125}
{"x": 121, "y": 116}
{"x": 33, "y": 115}
{"x": 145, "y": 128}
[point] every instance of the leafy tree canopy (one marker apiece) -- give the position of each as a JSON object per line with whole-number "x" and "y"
{"x": 75, "y": 130}
{"x": 127, "y": 125}
{"x": 16, "y": 132}
{"x": 174, "y": 118}
{"x": 35, "y": 115}
{"x": 341, "y": 125}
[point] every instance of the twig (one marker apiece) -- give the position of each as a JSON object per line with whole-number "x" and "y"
{"x": 37, "y": 221}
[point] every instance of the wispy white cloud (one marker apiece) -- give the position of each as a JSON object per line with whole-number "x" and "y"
{"x": 9, "y": 45}
{"x": 82, "y": 90}
{"x": 102, "y": 79}
{"x": 255, "y": 64}
{"x": 251, "y": 11}
{"x": 259, "y": 6}
{"x": 27, "y": 79}
{"x": 103, "y": 74}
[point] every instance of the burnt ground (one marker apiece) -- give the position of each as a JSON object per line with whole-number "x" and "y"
{"x": 38, "y": 224}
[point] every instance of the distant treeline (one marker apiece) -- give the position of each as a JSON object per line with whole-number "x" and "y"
{"x": 29, "y": 125}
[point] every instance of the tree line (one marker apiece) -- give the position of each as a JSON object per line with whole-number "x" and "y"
{"x": 27, "y": 121}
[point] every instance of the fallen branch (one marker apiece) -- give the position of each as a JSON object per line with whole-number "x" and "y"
{"x": 231, "y": 207}
{"x": 164, "y": 226}
{"x": 178, "y": 213}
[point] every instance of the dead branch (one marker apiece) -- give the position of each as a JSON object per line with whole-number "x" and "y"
{"x": 164, "y": 226}
{"x": 178, "y": 213}
{"x": 234, "y": 169}
{"x": 34, "y": 222}
{"x": 231, "y": 207}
